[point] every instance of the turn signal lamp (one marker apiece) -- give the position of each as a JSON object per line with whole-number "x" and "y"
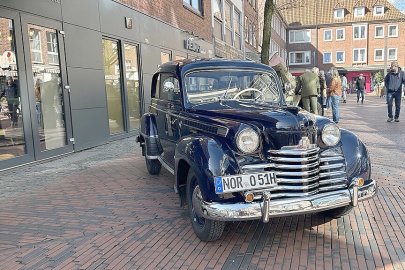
{"x": 249, "y": 197}
{"x": 360, "y": 181}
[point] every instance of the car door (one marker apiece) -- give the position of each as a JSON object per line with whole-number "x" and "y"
{"x": 168, "y": 106}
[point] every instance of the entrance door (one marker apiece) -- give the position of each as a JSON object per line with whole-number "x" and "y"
{"x": 47, "y": 86}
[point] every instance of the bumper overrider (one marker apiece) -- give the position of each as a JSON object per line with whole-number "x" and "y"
{"x": 267, "y": 208}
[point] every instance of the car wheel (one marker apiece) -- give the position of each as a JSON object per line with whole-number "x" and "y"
{"x": 338, "y": 212}
{"x": 153, "y": 166}
{"x": 207, "y": 230}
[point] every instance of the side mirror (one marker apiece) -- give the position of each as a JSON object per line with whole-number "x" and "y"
{"x": 168, "y": 86}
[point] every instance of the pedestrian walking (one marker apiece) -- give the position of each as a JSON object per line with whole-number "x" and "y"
{"x": 310, "y": 88}
{"x": 344, "y": 88}
{"x": 393, "y": 82}
{"x": 335, "y": 92}
{"x": 328, "y": 80}
{"x": 361, "y": 88}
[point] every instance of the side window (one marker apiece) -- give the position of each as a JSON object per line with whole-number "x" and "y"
{"x": 169, "y": 87}
{"x": 156, "y": 85}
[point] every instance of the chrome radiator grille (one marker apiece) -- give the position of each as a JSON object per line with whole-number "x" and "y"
{"x": 303, "y": 172}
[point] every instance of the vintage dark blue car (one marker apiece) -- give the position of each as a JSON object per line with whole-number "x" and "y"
{"x": 238, "y": 152}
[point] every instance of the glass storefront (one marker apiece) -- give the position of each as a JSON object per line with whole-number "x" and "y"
{"x": 12, "y": 139}
{"x": 132, "y": 77}
{"x": 112, "y": 71}
{"x": 48, "y": 93}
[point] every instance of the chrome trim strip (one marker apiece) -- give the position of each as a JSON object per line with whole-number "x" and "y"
{"x": 331, "y": 174}
{"x": 334, "y": 187}
{"x": 152, "y": 157}
{"x": 331, "y": 166}
{"x": 332, "y": 181}
{"x": 297, "y": 180}
{"x": 167, "y": 167}
{"x": 303, "y": 159}
{"x": 295, "y": 152}
{"x": 328, "y": 159}
{"x": 283, "y": 207}
{"x": 294, "y": 188}
{"x": 304, "y": 173}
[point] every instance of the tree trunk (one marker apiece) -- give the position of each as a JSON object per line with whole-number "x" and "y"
{"x": 268, "y": 16}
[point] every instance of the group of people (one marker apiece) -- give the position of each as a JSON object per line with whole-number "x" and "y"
{"x": 329, "y": 88}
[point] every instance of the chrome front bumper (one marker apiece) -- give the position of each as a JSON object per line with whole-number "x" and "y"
{"x": 283, "y": 207}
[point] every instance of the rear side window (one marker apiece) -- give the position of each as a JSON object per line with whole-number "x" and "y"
{"x": 169, "y": 88}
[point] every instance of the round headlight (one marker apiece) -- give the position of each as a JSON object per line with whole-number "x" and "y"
{"x": 247, "y": 140}
{"x": 330, "y": 134}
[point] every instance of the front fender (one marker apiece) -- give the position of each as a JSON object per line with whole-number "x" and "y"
{"x": 357, "y": 158}
{"x": 207, "y": 157}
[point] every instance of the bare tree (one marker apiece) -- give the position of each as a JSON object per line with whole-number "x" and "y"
{"x": 269, "y": 9}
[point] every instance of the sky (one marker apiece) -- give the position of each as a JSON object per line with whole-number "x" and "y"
{"x": 400, "y": 4}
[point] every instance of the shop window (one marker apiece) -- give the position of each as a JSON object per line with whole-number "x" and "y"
{"x": 112, "y": 71}
{"x": 12, "y": 140}
{"x": 132, "y": 85}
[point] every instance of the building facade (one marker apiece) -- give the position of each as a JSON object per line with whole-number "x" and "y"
{"x": 355, "y": 36}
{"x": 73, "y": 78}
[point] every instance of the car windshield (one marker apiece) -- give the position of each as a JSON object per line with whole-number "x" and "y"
{"x": 219, "y": 85}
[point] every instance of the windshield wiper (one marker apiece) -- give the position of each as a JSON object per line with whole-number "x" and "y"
{"x": 226, "y": 91}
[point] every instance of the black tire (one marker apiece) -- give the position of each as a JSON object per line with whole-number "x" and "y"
{"x": 338, "y": 212}
{"x": 205, "y": 229}
{"x": 153, "y": 166}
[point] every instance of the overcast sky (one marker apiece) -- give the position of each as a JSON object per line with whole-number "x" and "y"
{"x": 400, "y": 4}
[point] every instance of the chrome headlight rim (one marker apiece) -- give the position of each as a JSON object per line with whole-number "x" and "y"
{"x": 238, "y": 136}
{"x": 338, "y": 135}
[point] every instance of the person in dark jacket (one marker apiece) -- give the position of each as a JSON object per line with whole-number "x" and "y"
{"x": 393, "y": 83}
{"x": 10, "y": 91}
{"x": 361, "y": 88}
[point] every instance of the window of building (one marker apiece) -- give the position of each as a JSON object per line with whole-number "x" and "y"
{"x": 35, "y": 45}
{"x": 379, "y": 31}
{"x": 378, "y": 10}
{"x": 300, "y": 36}
{"x": 327, "y": 57}
{"x": 359, "y": 55}
{"x": 237, "y": 26}
{"x": 327, "y": 35}
{"x": 392, "y": 30}
{"x": 52, "y": 44}
{"x": 195, "y": 4}
{"x": 340, "y": 57}
{"x": 359, "y": 31}
{"x": 392, "y": 54}
{"x": 378, "y": 55}
{"x": 250, "y": 33}
{"x": 165, "y": 56}
{"x": 228, "y": 22}
{"x": 300, "y": 58}
{"x": 339, "y": 13}
{"x": 254, "y": 36}
{"x": 359, "y": 11}
{"x": 218, "y": 19}
{"x": 246, "y": 24}
{"x": 132, "y": 85}
{"x": 340, "y": 34}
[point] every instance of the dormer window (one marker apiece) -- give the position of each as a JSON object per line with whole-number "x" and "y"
{"x": 339, "y": 13}
{"x": 378, "y": 10}
{"x": 359, "y": 11}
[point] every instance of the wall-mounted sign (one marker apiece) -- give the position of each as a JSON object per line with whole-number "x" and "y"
{"x": 128, "y": 23}
{"x": 190, "y": 45}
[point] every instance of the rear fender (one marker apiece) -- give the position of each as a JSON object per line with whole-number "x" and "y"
{"x": 149, "y": 136}
{"x": 207, "y": 157}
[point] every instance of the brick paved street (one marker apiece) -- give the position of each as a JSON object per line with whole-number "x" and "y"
{"x": 99, "y": 209}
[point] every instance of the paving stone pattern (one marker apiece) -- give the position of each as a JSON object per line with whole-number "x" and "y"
{"x": 99, "y": 209}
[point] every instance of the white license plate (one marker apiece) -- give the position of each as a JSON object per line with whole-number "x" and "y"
{"x": 233, "y": 183}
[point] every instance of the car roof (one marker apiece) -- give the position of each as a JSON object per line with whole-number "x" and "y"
{"x": 184, "y": 65}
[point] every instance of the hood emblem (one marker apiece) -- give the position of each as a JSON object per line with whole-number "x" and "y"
{"x": 304, "y": 143}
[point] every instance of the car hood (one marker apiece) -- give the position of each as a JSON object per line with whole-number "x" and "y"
{"x": 280, "y": 125}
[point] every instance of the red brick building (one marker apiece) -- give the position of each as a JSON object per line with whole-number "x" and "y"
{"x": 356, "y": 36}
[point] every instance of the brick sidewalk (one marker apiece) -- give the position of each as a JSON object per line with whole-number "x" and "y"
{"x": 100, "y": 209}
